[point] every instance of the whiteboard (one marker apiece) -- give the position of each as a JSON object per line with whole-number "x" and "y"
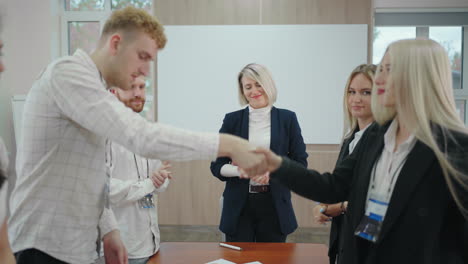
{"x": 197, "y": 73}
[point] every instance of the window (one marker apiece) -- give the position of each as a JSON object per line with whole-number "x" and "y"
{"x": 383, "y": 36}
{"x": 83, "y": 35}
{"x": 145, "y": 4}
{"x": 84, "y": 5}
{"x": 461, "y": 108}
{"x": 81, "y": 25}
{"x": 451, "y": 39}
{"x": 449, "y": 29}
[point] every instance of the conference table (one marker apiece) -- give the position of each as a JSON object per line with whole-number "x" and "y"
{"x": 265, "y": 253}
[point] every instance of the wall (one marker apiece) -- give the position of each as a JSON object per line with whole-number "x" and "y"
{"x": 193, "y": 197}
{"x": 27, "y": 35}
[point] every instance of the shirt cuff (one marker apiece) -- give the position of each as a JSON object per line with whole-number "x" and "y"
{"x": 107, "y": 223}
{"x": 163, "y": 187}
{"x": 228, "y": 170}
{"x": 148, "y": 186}
{"x": 212, "y": 145}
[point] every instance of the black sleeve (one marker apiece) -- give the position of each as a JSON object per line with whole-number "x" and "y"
{"x": 297, "y": 148}
{"x": 216, "y": 165}
{"x": 322, "y": 187}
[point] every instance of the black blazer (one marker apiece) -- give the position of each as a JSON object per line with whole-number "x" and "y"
{"x": 339, "y": 222}
{"x": 286, "y": 139}
{"x": 422, "y": 223}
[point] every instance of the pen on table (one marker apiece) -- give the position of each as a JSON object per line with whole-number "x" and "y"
{"x": 230, "y": 246}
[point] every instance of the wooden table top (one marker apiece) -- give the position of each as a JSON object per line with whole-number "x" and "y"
{"x": 266, "y": 253}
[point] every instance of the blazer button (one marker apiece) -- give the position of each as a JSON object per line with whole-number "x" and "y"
{"x": 422, "y": 212}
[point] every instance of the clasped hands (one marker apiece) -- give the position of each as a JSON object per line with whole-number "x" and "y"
{"x": 159, "y": 176}
{"x": 257, "y": 164}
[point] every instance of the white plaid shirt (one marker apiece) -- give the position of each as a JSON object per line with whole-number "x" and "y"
{"x": 57, "y": 202}
{"x": 138, "y": 226}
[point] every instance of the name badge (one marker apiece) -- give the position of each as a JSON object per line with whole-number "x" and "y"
{"x": 371, "y": 224}
{"x": 147, "y": 201}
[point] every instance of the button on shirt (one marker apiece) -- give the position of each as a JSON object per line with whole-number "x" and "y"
{"x": 138, "y": 226}
{"x": 68, "y": 115}
{"x": 389, "y": 164}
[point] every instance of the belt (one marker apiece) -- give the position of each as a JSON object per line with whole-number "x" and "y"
{"x": 259, "y": 188}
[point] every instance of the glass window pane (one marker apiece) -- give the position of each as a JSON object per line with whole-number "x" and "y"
{"x": 451, "y": 39}
{"x": 383, "y": 36}
{"x": 84, "y": 5}
{"x": 461, "y": 108}
{"x": 83, "y": 35}
{"x": 145, "y": 4}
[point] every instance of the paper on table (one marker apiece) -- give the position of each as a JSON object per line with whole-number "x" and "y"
{"x": 221, "y": 261}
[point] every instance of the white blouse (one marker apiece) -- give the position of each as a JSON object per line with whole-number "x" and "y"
{"x": 357, "y": 137}
{"x": 386, "y": 170}
{"x": 259, "y": 135}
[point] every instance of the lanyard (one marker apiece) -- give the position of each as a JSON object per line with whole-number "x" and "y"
{"x": 138, "y": 171}
{"x": 108, "y": 153}
{"x": 393, "y": 176}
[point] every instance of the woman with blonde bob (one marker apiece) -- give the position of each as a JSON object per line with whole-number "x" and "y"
{"x": 358, "y": 117}
{"x": 407, "y": 180}
{"x": 258, "y": 211}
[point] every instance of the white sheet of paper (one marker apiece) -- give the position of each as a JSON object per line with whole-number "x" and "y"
{"x": 220, "y": 261}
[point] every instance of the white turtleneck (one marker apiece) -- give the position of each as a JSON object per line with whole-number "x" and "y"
{"x": 259, "y": 135}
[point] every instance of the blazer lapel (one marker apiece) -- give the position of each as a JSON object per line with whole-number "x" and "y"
{"x": 244, "y": 133}
{"x": 344, "y": 151}
{"x": 363, "y": 173}
{"x": 274, "y": 130}
{"x": 418, "y": 162}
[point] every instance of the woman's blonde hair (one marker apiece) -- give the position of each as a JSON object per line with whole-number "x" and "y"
{"x": 262, "y": 76}
{"x": 350, "y": 122}
{"x": 420, "y": 75}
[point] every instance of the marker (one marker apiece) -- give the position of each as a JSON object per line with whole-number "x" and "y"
{"x": 230, "y": 246}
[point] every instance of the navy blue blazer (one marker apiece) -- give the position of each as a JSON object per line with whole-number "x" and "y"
{"x": 286, "y": 140}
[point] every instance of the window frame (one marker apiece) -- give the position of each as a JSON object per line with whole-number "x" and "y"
{"x": 423, "y": 19}
{"x": 97, "y": 16}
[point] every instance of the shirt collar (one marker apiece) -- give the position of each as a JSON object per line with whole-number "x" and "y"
{"x": 264, "y": 110}
{"x": 83, "y": 56}
{"x": 390, "y": 139}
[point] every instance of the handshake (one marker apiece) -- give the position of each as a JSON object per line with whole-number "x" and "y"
{"x": 253, "y": 162}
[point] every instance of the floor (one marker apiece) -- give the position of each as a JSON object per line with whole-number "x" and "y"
{"x": 177, "y": 233}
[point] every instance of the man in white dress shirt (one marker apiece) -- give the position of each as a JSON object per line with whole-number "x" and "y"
{"x": 134, "y": 183}
{"x": 60, "y": 204}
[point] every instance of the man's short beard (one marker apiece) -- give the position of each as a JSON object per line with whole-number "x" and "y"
{"x": 139, "y": 110}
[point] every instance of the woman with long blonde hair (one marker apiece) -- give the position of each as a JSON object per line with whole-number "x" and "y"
{"x": 358, "y": 117}
{"x": 406, "y": 181}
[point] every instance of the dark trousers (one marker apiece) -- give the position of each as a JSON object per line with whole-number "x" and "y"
{"x": 258, "y": 221}
{"x": 34, "y": 256}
